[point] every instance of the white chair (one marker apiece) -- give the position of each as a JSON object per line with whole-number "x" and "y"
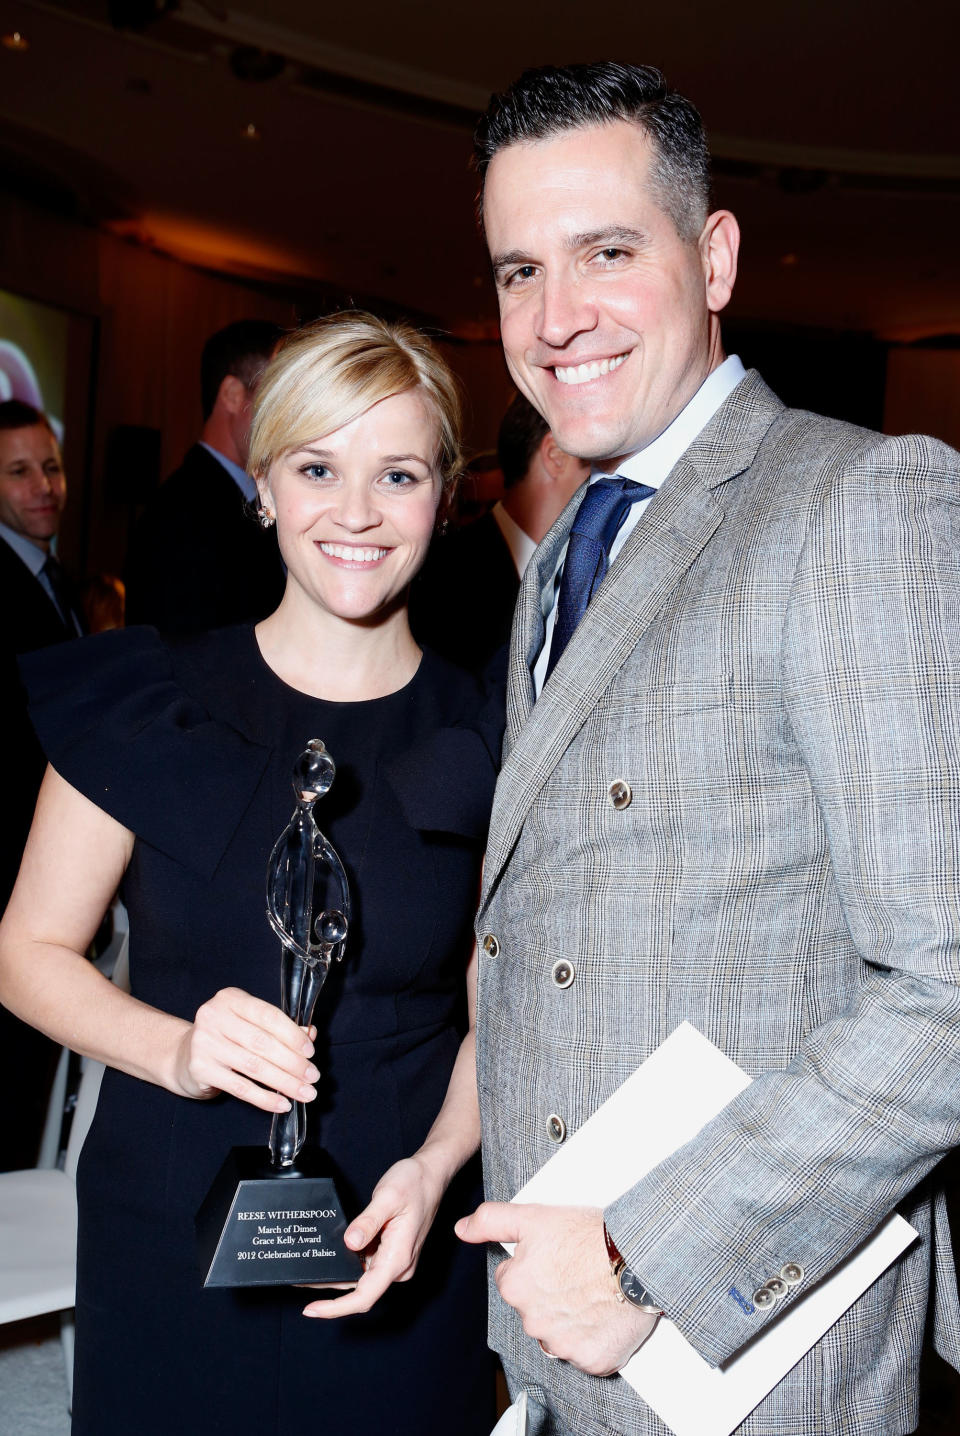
{"x": 38, "y": 1212}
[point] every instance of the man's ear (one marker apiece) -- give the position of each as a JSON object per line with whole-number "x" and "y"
{"x": 719, "y": 246}
{"x": 551, "y": 455}
{"x": 232, "y": 394}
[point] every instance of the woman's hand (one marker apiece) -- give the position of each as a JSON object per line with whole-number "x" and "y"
{"x": 389, "y": 1233}
{"x": 248, "y": 1048}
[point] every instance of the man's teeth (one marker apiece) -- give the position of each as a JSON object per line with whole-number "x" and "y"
{"x": 351, "y": 554}
{"x": 583, "y": 373}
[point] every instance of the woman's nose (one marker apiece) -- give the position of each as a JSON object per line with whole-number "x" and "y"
{"x": 355, "y": 509}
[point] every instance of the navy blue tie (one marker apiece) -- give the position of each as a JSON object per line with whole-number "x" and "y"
{"x": 604, "y": 508}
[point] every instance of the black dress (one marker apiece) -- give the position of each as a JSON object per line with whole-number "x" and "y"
{"x": 191, "y": 746}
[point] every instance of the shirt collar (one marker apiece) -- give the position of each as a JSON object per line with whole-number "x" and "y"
{"x": 244, "y": 482}
{"x": 518, "y": 541}
{"x": 25, "y": 548}
{"x": 652, "y": 464}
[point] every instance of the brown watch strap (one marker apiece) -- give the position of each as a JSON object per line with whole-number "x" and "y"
{"x": 617, "y": 1264}
{"x": 612, "y": 1251}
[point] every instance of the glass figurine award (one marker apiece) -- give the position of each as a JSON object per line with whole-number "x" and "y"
{"x": 273, "y": 1216}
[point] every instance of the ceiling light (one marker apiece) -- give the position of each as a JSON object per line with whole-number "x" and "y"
{"x": 15, "y": 40}
{"x": 250, "y": 131}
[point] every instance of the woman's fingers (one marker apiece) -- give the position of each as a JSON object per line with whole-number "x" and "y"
{"x": 368, "y": 1290}
{"x": 250, "y": 1049}
{"x": 390, "y": 1231}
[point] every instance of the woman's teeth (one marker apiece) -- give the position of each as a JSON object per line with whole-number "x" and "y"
{"x": 352, "y": 555}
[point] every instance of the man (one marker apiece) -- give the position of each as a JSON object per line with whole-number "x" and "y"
{"x": 463, "y": 600}
{"x": 39, "y": 608}
{"x": 732, "y": 801}
{"x": 198, "y": 559}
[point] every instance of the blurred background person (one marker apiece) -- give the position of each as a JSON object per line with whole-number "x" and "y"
{"x": 39, "y": 607}
{"x": 197, "y": 558}
{"x": 462, "y": 604}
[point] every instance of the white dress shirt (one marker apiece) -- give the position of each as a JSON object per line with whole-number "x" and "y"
{"x": 648, "y": 466}
{"x": 521, "y": 545}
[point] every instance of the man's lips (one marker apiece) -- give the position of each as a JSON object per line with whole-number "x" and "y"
{"x": 591, "y": 369}
{"x": 356, "y": 555}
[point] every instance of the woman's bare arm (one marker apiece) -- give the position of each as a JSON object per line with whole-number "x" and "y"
{"x": 75, "y": 857}
{"x": 394, "y": 1225}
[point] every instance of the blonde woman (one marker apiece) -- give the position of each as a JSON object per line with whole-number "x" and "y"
{"x": 170, "y": 772}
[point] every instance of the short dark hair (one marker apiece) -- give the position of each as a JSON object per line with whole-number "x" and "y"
{"x": 521, "y": 432}
{"x": 15, "y": 414}
{"x": 550, "y": 100}
{"x": 242, "y": 348}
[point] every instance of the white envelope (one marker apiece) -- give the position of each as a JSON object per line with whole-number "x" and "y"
{"x": 684, "y": 1083}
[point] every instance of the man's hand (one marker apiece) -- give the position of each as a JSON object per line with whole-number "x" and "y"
{"x": 559, "y": 1281}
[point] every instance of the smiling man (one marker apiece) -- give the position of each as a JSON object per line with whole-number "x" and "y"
{"x": 728, "y": 797}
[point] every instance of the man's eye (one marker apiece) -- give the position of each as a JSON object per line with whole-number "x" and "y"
{"x": 523, "y": 275}
{"x": 611, "y": 254}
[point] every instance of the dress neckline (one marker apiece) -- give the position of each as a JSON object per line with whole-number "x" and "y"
{"x": 334, "y": 703}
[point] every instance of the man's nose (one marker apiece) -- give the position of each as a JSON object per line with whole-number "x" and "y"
{"x": 565, "y": 311}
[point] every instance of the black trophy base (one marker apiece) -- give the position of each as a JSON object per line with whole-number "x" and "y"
{"x": 263, "y": 1226}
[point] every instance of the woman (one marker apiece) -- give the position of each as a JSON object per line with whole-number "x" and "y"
{"x": 170, "y": 772}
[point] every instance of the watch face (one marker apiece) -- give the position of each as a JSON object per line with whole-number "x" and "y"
{"x": 632, "y": 1289}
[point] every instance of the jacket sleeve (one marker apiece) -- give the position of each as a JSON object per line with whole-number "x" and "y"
{"x": 805, "y": 1164}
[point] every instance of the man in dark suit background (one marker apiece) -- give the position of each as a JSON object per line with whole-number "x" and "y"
{"x": 462, "y": 602}
{"x": 198, "y": 559}
{"x": 39, "y": 608}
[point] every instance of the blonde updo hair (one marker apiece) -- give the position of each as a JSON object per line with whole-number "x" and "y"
{"x": 330, "y": 372}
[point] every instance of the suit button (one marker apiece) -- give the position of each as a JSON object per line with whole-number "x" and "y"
{"x": 792, "y": 1273}
{"x": 764, "y": 1299}
{"x": 491, "y": 946}
{"x": 556, "y": 1128}
{"x": 620, "y": 793}
{"x": 562, "y": 972}
{"x": 778, "y": 1286}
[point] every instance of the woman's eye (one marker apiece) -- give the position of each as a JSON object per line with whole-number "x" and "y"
{"x": 315, "y": 471}
{"x": 398, "y": 479}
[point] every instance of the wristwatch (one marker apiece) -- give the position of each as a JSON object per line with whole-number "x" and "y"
{"x": 629, "y": 1287}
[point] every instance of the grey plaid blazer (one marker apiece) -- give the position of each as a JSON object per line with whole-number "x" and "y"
{"x": 771, "y": 666}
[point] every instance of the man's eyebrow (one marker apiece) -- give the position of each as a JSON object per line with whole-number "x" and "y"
{"x": 499, "y": 262}
{"x": 608, "y": 235}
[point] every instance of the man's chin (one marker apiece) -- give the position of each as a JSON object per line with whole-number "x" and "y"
{"x": 595, "y": 442}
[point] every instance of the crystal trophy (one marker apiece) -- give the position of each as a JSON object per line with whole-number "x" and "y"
{"x": 273, "y": 1216}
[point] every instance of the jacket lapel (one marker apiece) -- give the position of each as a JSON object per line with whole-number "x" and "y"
{"x": 673, "y": 531}
{"x": 526, "y": 642}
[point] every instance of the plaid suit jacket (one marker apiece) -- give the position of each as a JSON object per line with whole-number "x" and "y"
{"x": 771, "y": 666}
